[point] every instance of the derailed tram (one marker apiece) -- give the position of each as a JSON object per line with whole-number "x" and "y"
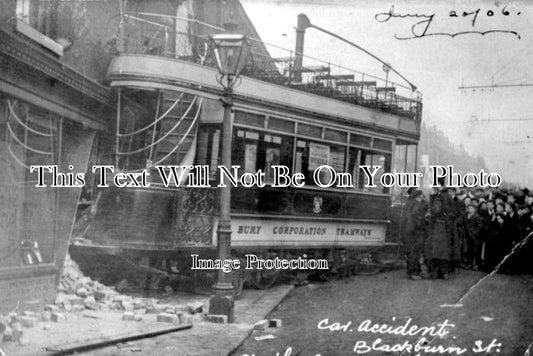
{"x": 286, "y": 112}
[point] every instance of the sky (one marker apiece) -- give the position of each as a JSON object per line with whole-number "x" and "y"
{"x": 494, "y": 123}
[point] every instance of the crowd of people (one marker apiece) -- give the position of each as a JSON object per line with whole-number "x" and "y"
{"x": 467, "y": 228}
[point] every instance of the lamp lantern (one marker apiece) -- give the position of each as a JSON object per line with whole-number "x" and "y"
{"x": 231, "y": 51}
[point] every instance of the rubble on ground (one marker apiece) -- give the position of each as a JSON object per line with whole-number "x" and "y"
{"x": 77, "y": 293}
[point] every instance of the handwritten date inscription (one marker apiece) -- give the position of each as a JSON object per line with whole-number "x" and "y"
{"x": 423, "y": 22}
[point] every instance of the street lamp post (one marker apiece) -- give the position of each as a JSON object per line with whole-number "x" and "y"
{"x": 230, "y": 52}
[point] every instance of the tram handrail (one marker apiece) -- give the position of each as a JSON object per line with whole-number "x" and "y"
{"x": 12, "y": 111}
{"x": 154, "y": 122}
{"x": 164, "y": 136}
{"x": 23, "y": 144}
{"x": 193, "y": 123}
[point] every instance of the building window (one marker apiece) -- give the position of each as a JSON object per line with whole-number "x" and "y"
{"x": 27, "y": 213}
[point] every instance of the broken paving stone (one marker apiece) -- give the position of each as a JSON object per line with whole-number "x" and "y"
{"x": 128, "y": 316}
{"x": 27, "y": 321}
{"x": 215, "y": 318}
{"x": 196, "y": 307}
{"x": 274, "y": 323}
{"x": 261, "y": 325}
{"x": 167, "y": 318}
{"x": 58, "y": 317}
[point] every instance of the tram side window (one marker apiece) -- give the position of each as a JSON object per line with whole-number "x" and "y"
{"x": 311, "y": 155}
{"x": 375, "y": 159}
{"x": 358, "y": 157}
{"x": 404, "y": 161}
{"x": 253, "y": 150}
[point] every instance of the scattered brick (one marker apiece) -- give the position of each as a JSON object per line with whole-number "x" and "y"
{"x": 261, "y": 325}
{"x": 128, "y": 306}
{"x": 167, "y": 318}
{"x": 90, "y": 303}
{"x": 274, "y": 323}
{"x": 196, "y": 307}
{"x": 46, "y": 315}
{"x": 61, "y": 298}
{"x": 51, "y": 308}
{"x": 170, "y": 310}
{"x": 138, "y": 317}
{"x": 58, "y": 317}
{"x": 78, "y": 308}
{"x": 82, "y": 292}
{"x": 102, "y": 296}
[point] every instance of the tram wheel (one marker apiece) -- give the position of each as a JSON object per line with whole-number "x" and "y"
{"x": 263, "y": 278}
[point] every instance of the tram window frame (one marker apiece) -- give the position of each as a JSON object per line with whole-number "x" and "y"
{"x": 302, "y": 157}
{"x": 269, "y": 148}
{"x": 360, "y": 179}
{"x": 209, "y": 156}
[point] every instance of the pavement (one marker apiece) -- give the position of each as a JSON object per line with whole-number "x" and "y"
{"x": 204, "y": 338}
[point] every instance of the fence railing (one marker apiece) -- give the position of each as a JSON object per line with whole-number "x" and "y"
{"x": 157, "y": 35}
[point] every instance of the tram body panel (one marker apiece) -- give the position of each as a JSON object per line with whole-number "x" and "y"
{"x": 251, "y": 232}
